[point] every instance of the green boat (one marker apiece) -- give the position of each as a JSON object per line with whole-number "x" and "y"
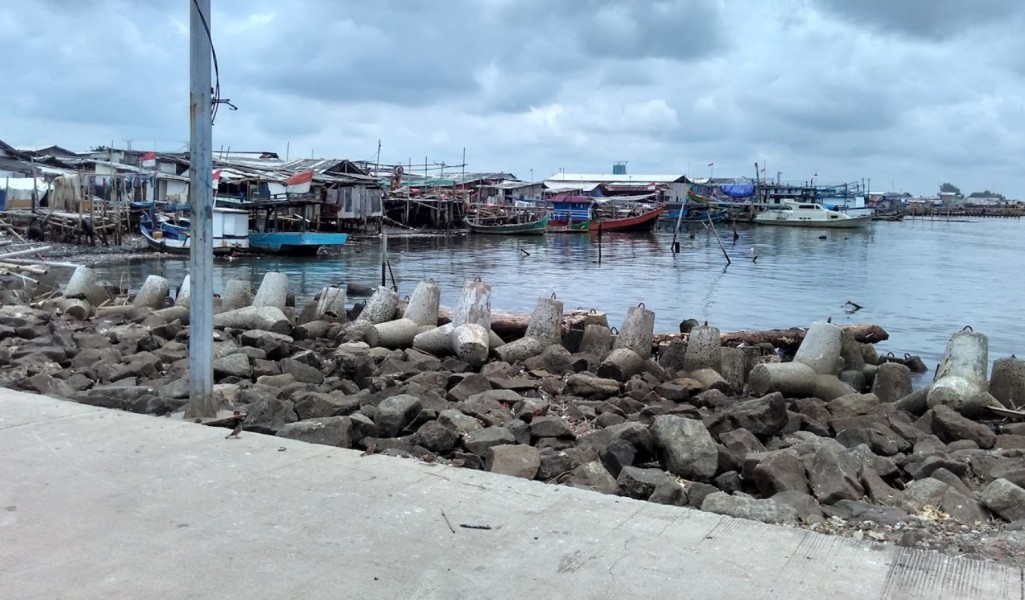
{"x": 578, "y": 227}
{"x": 503, "y": 226}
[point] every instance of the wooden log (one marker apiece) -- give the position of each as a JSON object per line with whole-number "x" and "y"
{"x": 787, "y": 339}
{"x": 511, "y": 325}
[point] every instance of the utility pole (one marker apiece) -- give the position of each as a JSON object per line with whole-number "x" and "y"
{"x": 201, "y": 317}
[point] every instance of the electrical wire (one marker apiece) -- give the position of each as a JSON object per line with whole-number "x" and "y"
{"x": 216, "y": 100}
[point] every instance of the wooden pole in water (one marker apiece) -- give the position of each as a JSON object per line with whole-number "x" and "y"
{"x": 718, "y": 239}
{"x": 599, "y": 243}
{"x": 679, "y": 219}
{"x": 384, "y": 258}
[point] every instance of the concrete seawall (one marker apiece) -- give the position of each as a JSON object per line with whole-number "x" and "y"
{"x": 98, "y": 503}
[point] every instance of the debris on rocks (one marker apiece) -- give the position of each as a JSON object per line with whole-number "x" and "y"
{"x": 835, "y": 440}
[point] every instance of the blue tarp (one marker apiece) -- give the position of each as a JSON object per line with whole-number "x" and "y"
{"x": 738, "y": 190}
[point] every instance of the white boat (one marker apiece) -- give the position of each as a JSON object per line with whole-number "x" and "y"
{"x": 791, "y": 213}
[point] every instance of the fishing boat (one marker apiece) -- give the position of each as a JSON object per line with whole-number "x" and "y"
{"x": 570, "y": 217}
{"x": 513, "y": 225}
{"x": 283, "y": 227}
{"x": 607, "y": 215}
{"x": 295, "y": 243}
{"x": 168, "y": 233}
{"x": 569, "y": 227}
{"x": 791, "y": 213}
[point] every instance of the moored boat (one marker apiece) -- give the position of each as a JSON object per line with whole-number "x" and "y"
{"x": 295, "y": 243}
{"x": 791, "y": 213}
{"x": 530, "y": 225}
{"x": 607, "y": 215}
{"x": 166, "y": 234}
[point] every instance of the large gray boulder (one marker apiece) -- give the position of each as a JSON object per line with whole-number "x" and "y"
{"x": 1005, "y": 499}
{"x": 834, "y": 475}
{"x": 329, "y": 431}
{"x": 395, "y": 413}
{"x": 685, "y": 447}
{"x": 743, "y": 507}
{"x": 517, "y": 460}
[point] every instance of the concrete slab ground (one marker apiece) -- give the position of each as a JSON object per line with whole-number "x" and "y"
{"x": 96, "y": 503}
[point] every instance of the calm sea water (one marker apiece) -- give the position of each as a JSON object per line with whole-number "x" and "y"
{"x": 921, "y": 280}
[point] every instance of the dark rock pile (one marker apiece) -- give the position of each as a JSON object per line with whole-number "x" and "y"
{"x": 862, "y": 455}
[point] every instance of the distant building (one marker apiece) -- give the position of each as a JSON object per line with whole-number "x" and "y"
{"x": 668, "y": 187}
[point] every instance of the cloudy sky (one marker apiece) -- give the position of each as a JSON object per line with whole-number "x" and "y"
{"x": 908, "y": 94}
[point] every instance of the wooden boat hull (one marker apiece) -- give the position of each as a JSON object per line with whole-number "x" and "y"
{"x": 564, "y": 227}
{"x": 644, "y": 222}
{"x": 176, "y": 245}
{"x": 537, "y": 227}
{"x": 295, "y": 243}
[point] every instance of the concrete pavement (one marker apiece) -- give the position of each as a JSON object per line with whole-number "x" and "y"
{"x": 96, "y": 503}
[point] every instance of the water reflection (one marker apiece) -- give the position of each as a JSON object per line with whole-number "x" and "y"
{"x": 923, "y": 281}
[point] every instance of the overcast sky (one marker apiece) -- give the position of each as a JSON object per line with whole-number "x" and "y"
{"x": 909, "y": 93}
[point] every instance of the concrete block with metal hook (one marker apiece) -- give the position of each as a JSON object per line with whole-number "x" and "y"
{"x": 544, "y": 330}
{"x": 421, "y": 315}
{"x": 273, "y": 291}
{"x": 638, "y": 331}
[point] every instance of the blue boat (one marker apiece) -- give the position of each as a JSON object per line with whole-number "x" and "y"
{"x": 295, "y": 243}
{"x": 169, "y": 233}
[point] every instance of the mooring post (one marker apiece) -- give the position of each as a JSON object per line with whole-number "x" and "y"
{"x": 201, "y": 252}
{"x": 384, "y": 258}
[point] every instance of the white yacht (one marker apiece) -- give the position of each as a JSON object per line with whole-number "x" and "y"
{"x": 791, "y": 213}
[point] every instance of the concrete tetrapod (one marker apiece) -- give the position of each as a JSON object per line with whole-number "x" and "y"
{"x": 380, "y": 307}
{"x": 1007, "y": 382}
{"x": 792, "y": 379}
{"x": 421, "y": 315}
{"x": 704, "y": 349}
{"x": 238, "y": 293}
{"x": 637, "y": 332}
{"x": 184, "y": 292}
{"x": 961, "y": 374}
{"x": 545, "y": 329}
{"x": 83, "y": 285}
{"x": 273, "y": 291}
{"x": 152, "y": 293}
{"x": 821, "y": 348}
{"x": 471, "y": 336}
{"x": 331, "y": 303}
{"x": 597, "y": 340}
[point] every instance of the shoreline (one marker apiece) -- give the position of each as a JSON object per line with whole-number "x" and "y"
{"x": 731, "y": 430}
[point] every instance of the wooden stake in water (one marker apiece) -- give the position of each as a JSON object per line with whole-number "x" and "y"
{"x": 718, "y": 239}
{"x": 384, "y": 259}
{"x": 599, "y": 242}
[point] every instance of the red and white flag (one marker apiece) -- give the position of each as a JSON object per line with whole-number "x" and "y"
{"x": 149, "y": 159}
{"x": 216, "y": 176}
{"x": 299, "y": 183}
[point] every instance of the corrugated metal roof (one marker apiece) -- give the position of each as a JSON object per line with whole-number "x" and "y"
{"x": 610, "y": 178}
{"x": 556, "y": 186}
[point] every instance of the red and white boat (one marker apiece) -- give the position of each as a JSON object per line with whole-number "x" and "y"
{"x": 611, "y": 214}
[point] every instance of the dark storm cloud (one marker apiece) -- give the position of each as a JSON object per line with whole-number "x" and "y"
{"x": 905, "y": 90}
{"x": 935, "y": 19}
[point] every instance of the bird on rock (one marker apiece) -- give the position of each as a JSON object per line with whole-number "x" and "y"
{"x": 235, "y": 432}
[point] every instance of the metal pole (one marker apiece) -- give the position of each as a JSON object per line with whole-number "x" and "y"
{"x": 201, "y": 375}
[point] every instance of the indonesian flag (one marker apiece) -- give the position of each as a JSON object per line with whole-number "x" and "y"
{"x": 216, "y": 176}
{"x": 299, "y": 183}
{"x": 149, "y": 159}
